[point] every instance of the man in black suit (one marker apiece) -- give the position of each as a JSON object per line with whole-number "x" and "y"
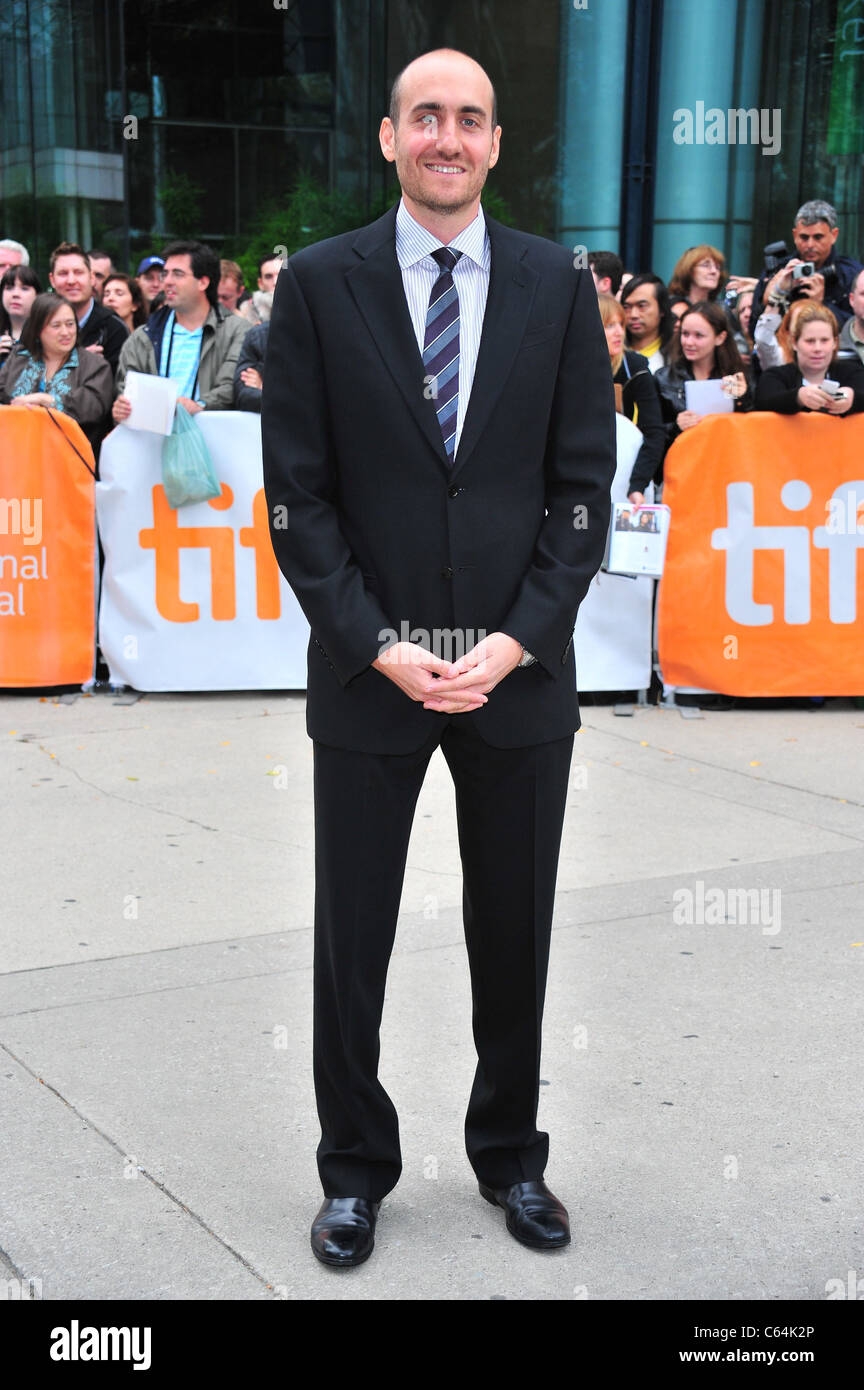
{"x": 99, "y": 330}
{"x": 429, "y": 487}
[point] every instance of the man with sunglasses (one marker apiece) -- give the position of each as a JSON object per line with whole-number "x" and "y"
{"x": 191, "y": 339}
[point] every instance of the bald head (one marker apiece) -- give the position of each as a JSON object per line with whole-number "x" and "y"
{"x": 428, "y": 65}
{"x": 443, "y": 140}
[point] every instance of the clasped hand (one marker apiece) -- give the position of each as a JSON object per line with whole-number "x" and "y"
{"x": 453, "y": 687}
{"x": 34, "y": 398}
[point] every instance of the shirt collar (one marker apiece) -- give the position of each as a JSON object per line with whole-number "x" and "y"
{"x": 81, "y": 322}
{"x": 414, "y": 242}
{"x": 173, "y": 325}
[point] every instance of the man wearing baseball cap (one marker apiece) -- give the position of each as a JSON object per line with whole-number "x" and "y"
{"x": 149, "y": 279}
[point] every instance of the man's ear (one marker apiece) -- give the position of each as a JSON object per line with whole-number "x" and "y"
{"x": 387, "y": 139}
{"x": 496, "y": 147}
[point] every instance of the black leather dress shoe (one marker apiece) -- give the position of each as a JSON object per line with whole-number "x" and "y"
{"x": 534, "y": 1215}
{"x": 343, "y": 1232}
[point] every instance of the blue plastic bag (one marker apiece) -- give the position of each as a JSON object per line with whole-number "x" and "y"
{"x": 187, "y": 469}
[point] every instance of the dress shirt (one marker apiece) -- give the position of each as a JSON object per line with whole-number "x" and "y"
{"x": 414, "y": 245}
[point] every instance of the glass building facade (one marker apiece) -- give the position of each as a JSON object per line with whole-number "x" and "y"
{"x": 125, "y": 122}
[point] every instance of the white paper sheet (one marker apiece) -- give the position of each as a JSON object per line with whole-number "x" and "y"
{"x": 154, "y": 399}
{"x": 708, "y": 397}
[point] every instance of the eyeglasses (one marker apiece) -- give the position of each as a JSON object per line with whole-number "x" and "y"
{"x": 174, "y": 274}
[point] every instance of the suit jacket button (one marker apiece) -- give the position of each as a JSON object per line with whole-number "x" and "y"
{"x": 453, "y": 491}
{"x": 446, "y": 573}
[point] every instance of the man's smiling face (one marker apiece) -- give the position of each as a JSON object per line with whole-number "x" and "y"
{"x": 443, "y": 144}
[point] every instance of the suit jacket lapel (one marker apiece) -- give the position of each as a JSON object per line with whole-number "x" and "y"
{"x": 376, "y": 284}
{"x": 508, "y": 304}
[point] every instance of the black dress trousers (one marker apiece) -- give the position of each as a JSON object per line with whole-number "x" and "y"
{"x": 510, "y": 811}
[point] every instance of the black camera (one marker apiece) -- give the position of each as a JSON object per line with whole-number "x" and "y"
{"x": 776, "y": 255}
{"x": 828, "y": 273}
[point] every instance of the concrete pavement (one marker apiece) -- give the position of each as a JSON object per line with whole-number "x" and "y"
{"x": 702, "y": 1073}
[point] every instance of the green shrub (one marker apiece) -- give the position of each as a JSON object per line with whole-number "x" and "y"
{"x": 312, "y": 213}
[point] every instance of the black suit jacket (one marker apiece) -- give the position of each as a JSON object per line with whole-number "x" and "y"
{"x": 105, "y": 328}
{"x": 376, "y": 535}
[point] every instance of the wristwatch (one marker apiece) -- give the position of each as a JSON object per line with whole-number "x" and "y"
{"x": 527, "y": 659}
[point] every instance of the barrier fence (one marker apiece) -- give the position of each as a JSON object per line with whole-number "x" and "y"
{"x": 47, "y": 550}
{"x": 763, "y": 591}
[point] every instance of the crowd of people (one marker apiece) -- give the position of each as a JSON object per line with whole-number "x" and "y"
{"x": 184, "y": 314}
{"x": 790, "y": 339}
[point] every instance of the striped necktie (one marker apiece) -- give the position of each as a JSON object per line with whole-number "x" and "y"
{"x": 441, "y": 347}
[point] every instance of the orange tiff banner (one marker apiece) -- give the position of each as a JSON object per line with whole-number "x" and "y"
{"x": 47, "y": 550}
{"x": 763, "y": 587}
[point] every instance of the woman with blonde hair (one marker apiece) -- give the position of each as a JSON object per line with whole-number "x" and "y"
{"x": 772, "y": 340}
{"x": 699, "y": 275}
{"x": 816, "y": 379}
{"x": 636, "y": 397}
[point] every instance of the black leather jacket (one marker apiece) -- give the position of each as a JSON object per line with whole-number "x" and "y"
{"x": 673, "y": 398}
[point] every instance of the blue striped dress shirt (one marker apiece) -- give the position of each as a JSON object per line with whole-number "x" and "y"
{"x": 470, "y": 277}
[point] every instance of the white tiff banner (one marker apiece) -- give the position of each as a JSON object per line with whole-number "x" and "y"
{"x": 613, "y": 638}
{"x": 193, "y": 599}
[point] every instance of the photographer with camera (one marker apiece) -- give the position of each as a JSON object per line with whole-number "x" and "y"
{"x": 816, "y": 273}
